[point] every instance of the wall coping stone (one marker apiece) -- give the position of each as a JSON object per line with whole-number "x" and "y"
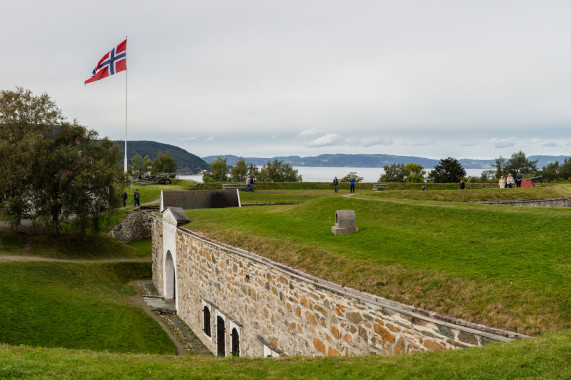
{"x": 363, "y": 297}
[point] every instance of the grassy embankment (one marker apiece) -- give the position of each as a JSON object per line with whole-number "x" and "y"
{"x": 502, "y": 266}
{"x": 546, "y": 357}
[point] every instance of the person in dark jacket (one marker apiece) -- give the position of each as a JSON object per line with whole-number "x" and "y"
{"x": 136, "y": 198}
{"x": 335, "y": 183}
{"x": 462, "y": 184}
{"x": 124, "y": 197}
{"x": 518, "y": 178}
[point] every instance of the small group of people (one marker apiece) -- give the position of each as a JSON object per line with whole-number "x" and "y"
{"x": 508, "y": 182}
{"x": 351, "y": 183}
{"x": 136, "y": 198}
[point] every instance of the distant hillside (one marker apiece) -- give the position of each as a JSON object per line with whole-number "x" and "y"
{"x": 372, "y": 160}
{"x": 188, "y": 163}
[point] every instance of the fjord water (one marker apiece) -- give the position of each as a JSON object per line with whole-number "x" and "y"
{"x": 326, "y": 174}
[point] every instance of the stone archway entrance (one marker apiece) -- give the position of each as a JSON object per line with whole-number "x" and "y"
{"x": 170, "y": 277}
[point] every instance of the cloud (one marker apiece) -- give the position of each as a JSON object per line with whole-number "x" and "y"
{"x": 309, "y": 133}
{"x": 327, "y": 139}
{"x": 550, "y": 145}
{"x": 471, "y": 143}
{"x": 209, "y": 139}
{"x": 186, "y": 138}
{"x": 504, "y": 144}
{"x": 366, "y": 143}
{"x": 420, "y": 143}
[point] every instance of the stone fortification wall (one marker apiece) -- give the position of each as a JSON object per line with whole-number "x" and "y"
{"x": 544, "y": 202}
{"x": 135, "y": 226}
{"x": 276, "y": 310}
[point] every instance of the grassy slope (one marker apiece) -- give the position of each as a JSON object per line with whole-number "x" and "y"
{"x": 545, "y": 357}
{"x": 499, "y": 265}
{"x": 77, "y": 306}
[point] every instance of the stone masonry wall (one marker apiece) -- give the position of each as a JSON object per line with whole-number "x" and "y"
{"x": 292, "y": 313}
{"x": 135, "y": 226}
{"x": 544, "y": 202}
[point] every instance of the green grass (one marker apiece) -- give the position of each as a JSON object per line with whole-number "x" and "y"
{"x": 545, "y": 357}
{"x": 143, "y": 247}
{"x": 151, "y": 193}
{"x": 502, "y": 266}
{"x": 66, "y": 246}
{"x": 77, "y": 306}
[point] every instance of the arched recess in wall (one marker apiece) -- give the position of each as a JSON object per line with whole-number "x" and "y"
{"x": 220, "y": 336}
{"x": 235, "y": 342}
{"x": 206, "y": 320}
{"x": 170, "y": 277}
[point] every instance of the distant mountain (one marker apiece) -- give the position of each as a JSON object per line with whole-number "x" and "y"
{"x": 372, "y": 160}
{"x": 188, "y": 163}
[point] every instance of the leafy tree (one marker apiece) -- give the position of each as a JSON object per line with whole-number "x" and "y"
{"x": 551, "y": 171}
{"x": 414, "y": 172}
{"x": 393, "y": 173}
{"x": 565, "y": 169}
{"x": 136, "y": 165}
{"x": 278, "y": 171}
{"x": 519, "y": 161}
{"x": 218, "y": 173}
{"x": 239, "y": 171}
{"x": 25, "y": 120}
{"x": 164, "y": 163}
{"x": 488, "y": 175}
{"x": 77, "y": 176}
{"x": 348, "y": 177}
{"x": 447, "y": 170}
{"x": 147, "y": 164}
{"x": 499, "y": 164}
{"x": 253, "y": 170}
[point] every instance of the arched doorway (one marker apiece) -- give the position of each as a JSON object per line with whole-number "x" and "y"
{"x": 170, "y": 277}
{"x": 220, "y": 331}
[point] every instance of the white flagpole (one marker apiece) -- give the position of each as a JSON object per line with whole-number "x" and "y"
{"x": 126, "y": 117}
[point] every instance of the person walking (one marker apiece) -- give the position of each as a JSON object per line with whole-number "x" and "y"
{"x": 335, "y": 183}
{"x": 136, "y": 198}
{"x": 352, "y": 182}
{"x": 124, "y": 197}
{"x": 518, "y": 178}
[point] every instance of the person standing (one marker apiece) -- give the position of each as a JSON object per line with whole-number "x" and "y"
{"x": 352, "y": 182}
{"x": 136, "y": 198}
{"x": 518, "y": 178}
{"x": 335, "y": 183}
{"x": 502, "y": 182}
{"x": 510, "y": 181}
{"x": 248, "y": 183}
{"x": 124, "y": 197}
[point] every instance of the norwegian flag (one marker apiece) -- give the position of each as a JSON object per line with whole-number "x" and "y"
{"x": 111, "y": 63}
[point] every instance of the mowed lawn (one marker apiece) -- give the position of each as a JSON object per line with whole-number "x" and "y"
{"x": 83, "y": 306}
{"x": 546, "y": 357}
{"x": 502, "y": 266}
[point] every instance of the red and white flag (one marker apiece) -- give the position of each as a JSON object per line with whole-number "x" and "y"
{"x": 111, "y": 63}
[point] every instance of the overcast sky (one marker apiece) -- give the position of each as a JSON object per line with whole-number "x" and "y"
{"x": 468, "y": 79}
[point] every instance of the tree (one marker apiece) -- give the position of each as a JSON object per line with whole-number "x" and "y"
{"x": 218, "y": 171}
{"x": 25, "y": 120}
{"x": 164, "y": 163}
{"x": 278, "y": 171}
{"x": 551, "y": 171}
{"x": 77, "y": 177}
{"x": 393, "y": 173}
{"x": 447, "y": 170}
{"x": 414, "y": 172}
{"x": 350, "y": 175}
{"x": 253, "y": 170}
{"x": 519, "y": 161}
{"x": 500, "y": 164}
{"x": 239, "y": 171}
{"x": 565, "y": 169}
{"x": 136, "y": 165}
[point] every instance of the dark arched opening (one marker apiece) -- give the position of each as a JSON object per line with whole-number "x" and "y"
{"x": 235, "y": 343}
{"x": 220, "y": 331}
{"x": 206, "y": 316}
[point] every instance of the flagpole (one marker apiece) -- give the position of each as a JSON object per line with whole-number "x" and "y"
{"x": 126, "y": 117}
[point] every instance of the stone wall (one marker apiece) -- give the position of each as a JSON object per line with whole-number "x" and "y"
{"x": 276, "y": 310}
{"x": 135, "y": 226}
{"x": 543, "y": 202}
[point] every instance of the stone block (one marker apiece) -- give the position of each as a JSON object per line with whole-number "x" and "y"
{"x": 344, "y": 222}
